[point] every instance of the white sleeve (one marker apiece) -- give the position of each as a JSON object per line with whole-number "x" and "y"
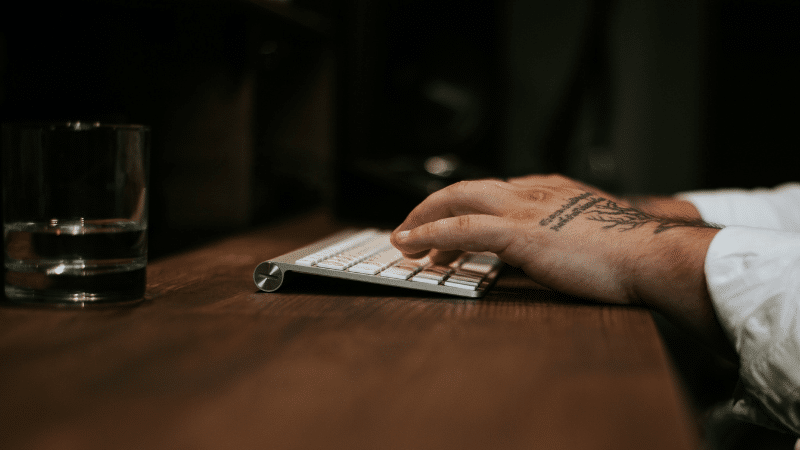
{"x": 777, "y": 208}
{"x": 753, "y": 276}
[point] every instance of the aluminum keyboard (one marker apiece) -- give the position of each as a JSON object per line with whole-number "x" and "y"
{"x": 366, "y": 255}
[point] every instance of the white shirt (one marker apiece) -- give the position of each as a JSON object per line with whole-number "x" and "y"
{"x": 753, "y": 274}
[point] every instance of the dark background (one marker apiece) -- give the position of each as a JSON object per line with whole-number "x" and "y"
{"x": 263, "y": 109}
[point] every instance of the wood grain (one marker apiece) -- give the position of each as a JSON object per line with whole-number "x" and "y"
{"x": 206, "y": 361}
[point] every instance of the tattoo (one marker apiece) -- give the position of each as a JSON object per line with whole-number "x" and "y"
{"x": 615, "y": 216}
{"x": 570, "y": 203}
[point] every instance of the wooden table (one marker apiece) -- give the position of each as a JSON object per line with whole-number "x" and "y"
{"x": 206, "y": 361}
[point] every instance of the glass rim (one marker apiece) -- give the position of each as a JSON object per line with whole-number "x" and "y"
{"x": 74, "y": 125}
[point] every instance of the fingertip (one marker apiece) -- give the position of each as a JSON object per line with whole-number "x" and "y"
{"x": 398, "y": 238}
{"x": 418, "y": 255}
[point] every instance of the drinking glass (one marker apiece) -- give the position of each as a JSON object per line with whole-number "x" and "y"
{"x": 75, "y": 212}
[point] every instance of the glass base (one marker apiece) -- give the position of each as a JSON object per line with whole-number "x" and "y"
{"x": 35, "y": 298}
{"x": 75, "y": 291}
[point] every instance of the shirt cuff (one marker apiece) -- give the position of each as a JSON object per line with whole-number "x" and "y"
{"x": 775, "y": 209}
{"x": 753, "y": 278}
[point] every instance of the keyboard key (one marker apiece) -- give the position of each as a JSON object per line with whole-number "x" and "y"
{"x": 433, "y": 275}
{"x": 480, "y": 263}
{"x": 327, "y": 252}
{"x": 462, "y": 277}
{"x": 378, "y": 262}
{"x": 469, "y": 287}
{"x": 406, "y": 268}
{"x": 397, "y": 273}
{"x": 460, "y": 260}
{"x": 356, "y": 254}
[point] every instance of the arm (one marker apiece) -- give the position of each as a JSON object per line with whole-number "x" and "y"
{"x": 571, "y": 239}
{"x": 752, "y": 276}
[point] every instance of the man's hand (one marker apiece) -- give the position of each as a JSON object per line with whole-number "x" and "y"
{"x": 575, "y": 239}
{"x": 563, "y": 234}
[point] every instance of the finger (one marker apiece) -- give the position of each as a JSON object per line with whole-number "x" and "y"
{"x": 471, "y": 233}
{"x": 444, "y": 257}
{"x": 417, "y": 255}
{"x": 466, "y": 197}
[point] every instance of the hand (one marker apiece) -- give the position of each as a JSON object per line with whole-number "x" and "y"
{"x": 565, "y": 235}
{"x": 575, "y": 239}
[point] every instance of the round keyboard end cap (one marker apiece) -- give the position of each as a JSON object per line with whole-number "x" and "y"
{"x": 268, "y": 276}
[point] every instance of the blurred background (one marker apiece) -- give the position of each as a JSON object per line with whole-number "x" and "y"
{"x": 262, "y": 109}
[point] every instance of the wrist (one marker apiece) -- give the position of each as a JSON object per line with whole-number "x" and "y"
{"x": 669, "y": 277}
{"x": 665, "y": 207}
{"x": 670, "y": 264}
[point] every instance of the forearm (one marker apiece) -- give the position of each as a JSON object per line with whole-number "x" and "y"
{"x": 672, "y": 280}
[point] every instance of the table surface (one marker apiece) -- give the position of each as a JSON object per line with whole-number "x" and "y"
{"x": 207, "y": 361}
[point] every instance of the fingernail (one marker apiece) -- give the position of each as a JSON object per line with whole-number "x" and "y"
{"x": 403, "y": 235}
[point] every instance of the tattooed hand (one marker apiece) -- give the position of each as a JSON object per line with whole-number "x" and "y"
{"x": 572, "y": 238}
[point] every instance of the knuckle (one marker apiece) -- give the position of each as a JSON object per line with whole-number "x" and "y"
{"x": 537, "y": 195}
{"x": 442, "y": 196}
{"x": 463, "y": 224}
{"x": 452, "y": 191}
{"x": 462, "y": 186}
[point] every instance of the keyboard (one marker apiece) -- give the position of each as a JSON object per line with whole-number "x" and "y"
{"x": 366, "y": 255}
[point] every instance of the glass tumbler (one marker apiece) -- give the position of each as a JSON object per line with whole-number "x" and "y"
{"x": 75, "y": 212}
